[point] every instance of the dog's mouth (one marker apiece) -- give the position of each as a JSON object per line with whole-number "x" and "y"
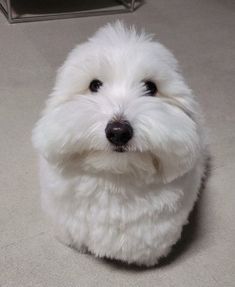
{"x": 120, "y": 149}
{"x": 124, "y": 148}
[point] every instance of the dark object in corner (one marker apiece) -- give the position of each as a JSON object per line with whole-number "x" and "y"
{"x": 17, "y": 11}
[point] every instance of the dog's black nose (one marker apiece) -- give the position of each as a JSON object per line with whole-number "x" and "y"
{"x": 119, "y": 133}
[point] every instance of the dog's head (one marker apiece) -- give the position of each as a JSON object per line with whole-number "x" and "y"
{"x": 120, "y": 106}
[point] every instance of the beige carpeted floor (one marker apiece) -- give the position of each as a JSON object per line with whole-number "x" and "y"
{"x": 201, "y": 34}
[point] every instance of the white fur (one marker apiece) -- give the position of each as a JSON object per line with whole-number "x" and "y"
{"x": 132, "y": 205}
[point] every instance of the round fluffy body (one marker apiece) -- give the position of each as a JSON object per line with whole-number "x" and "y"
{"x": 130, "y": 206}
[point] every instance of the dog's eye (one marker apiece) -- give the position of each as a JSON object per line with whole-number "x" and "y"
{"x": 95, "y": 85}
{"x": 151, "y": 88}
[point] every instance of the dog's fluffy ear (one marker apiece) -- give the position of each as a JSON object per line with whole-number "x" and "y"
{"x": 171, "y": 165}
{"x": 168, "y": 170}
{"x": 40, "y": 140}
{"x": 49, "y": 136}
{"x": 171, "y": 170}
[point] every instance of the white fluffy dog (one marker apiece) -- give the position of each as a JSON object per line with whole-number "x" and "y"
{"x": 122, "y": 152}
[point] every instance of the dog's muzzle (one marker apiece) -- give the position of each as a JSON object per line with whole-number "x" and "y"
{"x": 119, "y": 133}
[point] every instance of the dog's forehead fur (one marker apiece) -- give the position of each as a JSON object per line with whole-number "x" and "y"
{"x": 120, "y": 58}
{"x": 114, "y": 48}
{"x": 127, "y": 42}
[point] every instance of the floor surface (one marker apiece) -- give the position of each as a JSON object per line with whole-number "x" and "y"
{"x": 201, "y": 34}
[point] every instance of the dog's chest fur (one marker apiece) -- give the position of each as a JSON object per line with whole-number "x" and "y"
{"x": 110, "y": 214}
